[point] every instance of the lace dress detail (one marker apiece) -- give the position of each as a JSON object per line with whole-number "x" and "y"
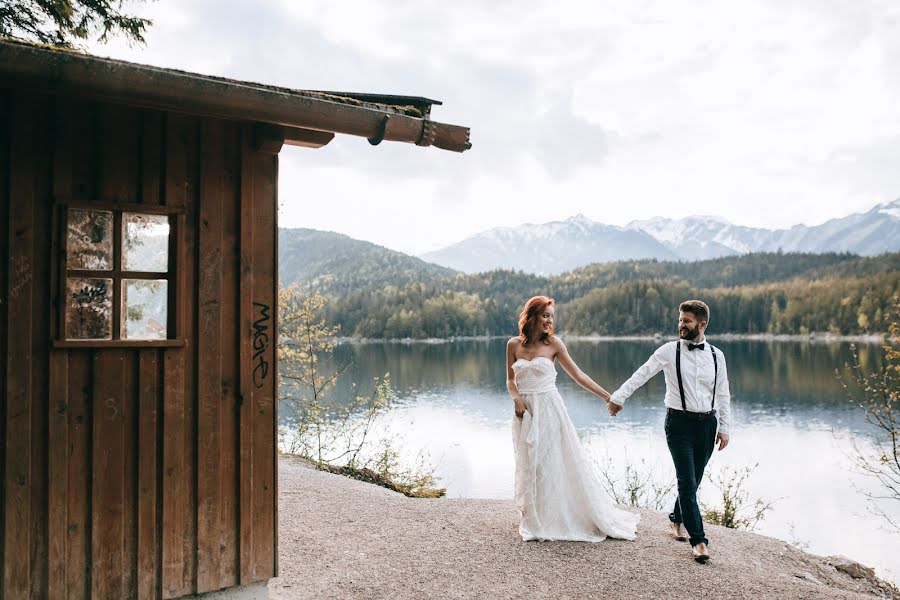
{"x": 558, "y": 488}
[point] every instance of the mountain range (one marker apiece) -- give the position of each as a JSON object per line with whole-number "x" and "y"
{"x": 374, "y": 292}
{"x": 334, "y": 263}
{"x": 560, "y": 246}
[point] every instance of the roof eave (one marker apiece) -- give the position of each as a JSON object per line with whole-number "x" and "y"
{"x": 118, "y": 81}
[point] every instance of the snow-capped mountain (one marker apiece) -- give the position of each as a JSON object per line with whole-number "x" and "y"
{"x": 559, "y": 246}
{"x": 547, "y": 248}
{"x": 701, "y": 237}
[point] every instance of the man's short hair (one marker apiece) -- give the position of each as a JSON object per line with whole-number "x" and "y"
{"x": 696, "y": 307}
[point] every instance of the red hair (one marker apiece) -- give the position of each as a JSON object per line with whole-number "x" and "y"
{"x": 528, "y": 318}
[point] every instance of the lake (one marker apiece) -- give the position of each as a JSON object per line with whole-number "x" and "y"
{"x": 791, "y": 418}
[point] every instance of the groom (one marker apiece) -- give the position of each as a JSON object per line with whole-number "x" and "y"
{"x": 696, "y": 394}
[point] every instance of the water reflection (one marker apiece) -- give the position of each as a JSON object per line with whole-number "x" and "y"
{"x": 769, "y": 380}
{"x": 790, "y": 415}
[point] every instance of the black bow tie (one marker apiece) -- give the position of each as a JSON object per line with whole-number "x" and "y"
{"x": 701, "y": 346}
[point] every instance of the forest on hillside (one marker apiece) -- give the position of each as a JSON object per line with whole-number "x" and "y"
{"x": 373, "y": 292}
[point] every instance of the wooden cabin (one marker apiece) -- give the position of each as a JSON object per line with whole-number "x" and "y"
{"x": 138, "y": 236}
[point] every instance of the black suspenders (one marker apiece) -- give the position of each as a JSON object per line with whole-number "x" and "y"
{"x": 678, "y": 373}
{"x": 715, "y": 375}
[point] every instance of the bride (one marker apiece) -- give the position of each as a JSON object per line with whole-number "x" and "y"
{"x": 558, "y": 489}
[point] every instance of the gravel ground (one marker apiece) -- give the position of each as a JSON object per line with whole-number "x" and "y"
{"x": 341, "y": 538}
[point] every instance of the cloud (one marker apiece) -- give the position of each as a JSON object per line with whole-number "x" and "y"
{"x": 766, "y": 113}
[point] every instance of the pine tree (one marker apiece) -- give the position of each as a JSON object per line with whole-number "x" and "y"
{"x": 64, "y": 22}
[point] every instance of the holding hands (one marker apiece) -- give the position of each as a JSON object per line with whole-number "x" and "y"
{"x": 611, "y": 407}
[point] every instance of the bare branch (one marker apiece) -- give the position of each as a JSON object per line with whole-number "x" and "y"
{"x": 878, "y": 399}
{"x": 334, "y": 433}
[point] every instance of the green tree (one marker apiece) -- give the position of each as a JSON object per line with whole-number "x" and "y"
{"x": 64, "y": 22}
{"x": 376, "y": 293}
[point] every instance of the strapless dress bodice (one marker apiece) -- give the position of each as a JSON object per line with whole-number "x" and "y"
{"x": 535, "y": 376}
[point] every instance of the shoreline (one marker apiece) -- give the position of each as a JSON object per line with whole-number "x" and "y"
{"x": 813, "y": 338}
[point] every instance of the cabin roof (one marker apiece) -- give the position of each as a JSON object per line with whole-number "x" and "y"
{"x": 299, "y": 113}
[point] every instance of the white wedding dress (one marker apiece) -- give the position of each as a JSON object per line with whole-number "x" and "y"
{"x": 558, "y": 488}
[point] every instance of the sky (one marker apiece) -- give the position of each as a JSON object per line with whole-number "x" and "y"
{"x": 767, "y": 113}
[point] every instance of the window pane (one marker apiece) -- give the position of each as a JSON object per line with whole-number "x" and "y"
{"x": 146, "y": 241}
{"x": 88, "y": 309}
{"x": 89, "y": 239}
{"x": 144, "y": 304}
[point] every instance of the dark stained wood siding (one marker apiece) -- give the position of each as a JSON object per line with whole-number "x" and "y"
{"x": 5, "y": 123}
{"x": 137, "y": 472}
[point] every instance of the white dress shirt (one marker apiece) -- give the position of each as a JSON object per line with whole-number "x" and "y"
{"x": 697, "y": 375}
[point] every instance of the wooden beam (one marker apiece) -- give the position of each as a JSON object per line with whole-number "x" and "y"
{"x": 209, "y": 349}
{"x": 231, "y": 335}
{"x": 245, "y": 412}
{"x": 5, "y": 128}
{"x": 76, "y": 74}
{"x": 267, "y": 139}
{"x": 306, "y": 138}
{"x": 82, "y": 159}
{"x": 149, "y": 397}
{"x": 58, "y": 413}
{"x": 175, "y": 419}
{"x": 263, "y": 312}
{"x": 17, "y": 484}
{"x": 108, "y": 470}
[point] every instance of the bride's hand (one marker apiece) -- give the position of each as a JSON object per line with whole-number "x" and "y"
{"x": 519, "y": 407}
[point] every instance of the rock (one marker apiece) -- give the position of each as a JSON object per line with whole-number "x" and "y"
{"x": 808, "y": 577}
{"x": 470, "y": 548}
{"x": 852, "y": 568}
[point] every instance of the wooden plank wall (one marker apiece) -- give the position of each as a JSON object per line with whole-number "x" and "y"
{"x": 5, "y": 122}
{"x": 129, "y": 472}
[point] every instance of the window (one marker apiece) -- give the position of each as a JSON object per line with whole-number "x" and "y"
{"x": 117, "y": 275}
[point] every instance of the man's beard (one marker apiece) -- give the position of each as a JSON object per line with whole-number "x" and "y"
{"x": 690, "y": 334}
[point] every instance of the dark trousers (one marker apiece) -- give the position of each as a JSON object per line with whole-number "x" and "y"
{"x": 691, "y": 439}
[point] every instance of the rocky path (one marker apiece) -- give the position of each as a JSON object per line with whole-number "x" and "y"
{"x": 340, "y": 538}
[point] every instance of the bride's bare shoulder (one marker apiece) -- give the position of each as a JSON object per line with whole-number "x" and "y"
{"x": 514, "y": 343}
{"x": 556, "y": 342}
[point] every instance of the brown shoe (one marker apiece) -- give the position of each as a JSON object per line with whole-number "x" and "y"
{"x": 678, "y": 531}
{"x": 700, "y": 552}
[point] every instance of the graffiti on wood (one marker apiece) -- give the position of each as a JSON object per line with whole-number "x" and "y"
{"x": 260, "y": 344}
